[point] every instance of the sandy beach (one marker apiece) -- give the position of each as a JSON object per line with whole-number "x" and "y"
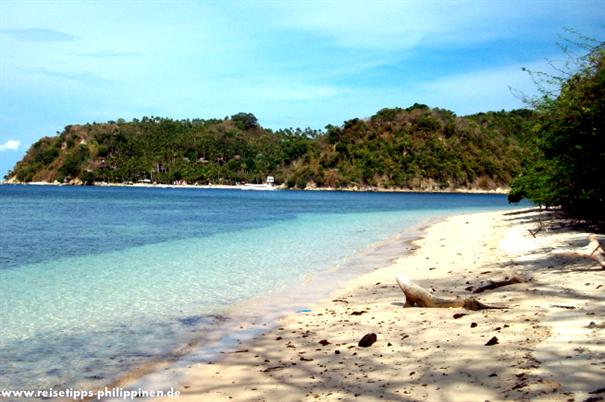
{"x": 546, "y": 344}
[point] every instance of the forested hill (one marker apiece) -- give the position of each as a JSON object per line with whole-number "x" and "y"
{"x": 414, "y": 148}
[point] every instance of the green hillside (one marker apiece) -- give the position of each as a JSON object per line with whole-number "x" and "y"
{"x": 414, "y": 148}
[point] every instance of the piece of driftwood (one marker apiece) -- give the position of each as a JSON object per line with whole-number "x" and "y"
{"x": 593, "y": 250}
{"x": 489, "y": 285}
{"x": 420, "y": 297}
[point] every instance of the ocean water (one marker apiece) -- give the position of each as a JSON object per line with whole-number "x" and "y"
{"x": 97, "y": 281}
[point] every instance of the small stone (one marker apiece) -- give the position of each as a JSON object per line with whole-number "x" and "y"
{"x": 367, "y": 340}
{"x": 493, "y": 341}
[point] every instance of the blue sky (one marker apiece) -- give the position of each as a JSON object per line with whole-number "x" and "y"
{"x": 291, "y": 63}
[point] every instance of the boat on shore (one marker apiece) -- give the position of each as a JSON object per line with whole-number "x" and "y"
{"x": 262, "y": 187}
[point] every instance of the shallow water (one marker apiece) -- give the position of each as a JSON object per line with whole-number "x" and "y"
{"x": 96, "y": 281}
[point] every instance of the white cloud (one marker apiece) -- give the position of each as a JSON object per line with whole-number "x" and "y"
{"x": 407, "y": 25}
{"x": 10, "y": 145}
{"x": 37, "y": 35}
{"x": 482, "y": 90}
{"x": 394, "y": 25}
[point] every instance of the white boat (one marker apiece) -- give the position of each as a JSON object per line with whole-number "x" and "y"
{"x": 263, "y": 187}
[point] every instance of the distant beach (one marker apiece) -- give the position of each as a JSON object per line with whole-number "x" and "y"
{"x": 266, "y": 187}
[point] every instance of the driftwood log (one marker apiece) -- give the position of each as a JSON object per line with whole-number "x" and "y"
{"x": 593, "y": 250}
{"x": 489, "y": 285}
{"x": 420, "y": 297}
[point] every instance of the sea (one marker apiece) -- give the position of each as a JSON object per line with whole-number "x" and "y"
{"x": 98, "y": 281}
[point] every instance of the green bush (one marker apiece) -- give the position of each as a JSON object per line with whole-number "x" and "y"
{"x": 567, "y": 165}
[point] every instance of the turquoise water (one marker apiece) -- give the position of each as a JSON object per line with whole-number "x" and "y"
{"x": 96, "y": 281}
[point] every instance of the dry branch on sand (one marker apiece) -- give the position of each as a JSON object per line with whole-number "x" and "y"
{"x": 420, "y": 297}
{"x": 489, "y": 285}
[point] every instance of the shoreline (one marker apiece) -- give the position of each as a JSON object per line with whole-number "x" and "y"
{"x": 546, "y": 349}
{"x": 242, "y": 326}
{"x": 499, "y": 191}
{"x": 251, "y": 328}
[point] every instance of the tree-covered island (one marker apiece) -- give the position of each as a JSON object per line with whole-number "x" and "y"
{"x": 417, "y": 148}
